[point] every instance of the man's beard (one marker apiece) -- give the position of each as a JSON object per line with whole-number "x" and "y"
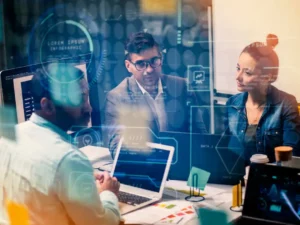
{"x": 63, "y": 119}
{"x": 84, "y": 119}
{"x": 67, "y": 121}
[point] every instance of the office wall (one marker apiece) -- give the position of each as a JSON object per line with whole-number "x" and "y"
{"x": 237, "y": 23}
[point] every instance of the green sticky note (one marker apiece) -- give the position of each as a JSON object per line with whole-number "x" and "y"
{"x": 170, "y": 206}
{"x": 8, "y": 120}
{"x": 198, "y": 178}
{"x": 208, "y": 216}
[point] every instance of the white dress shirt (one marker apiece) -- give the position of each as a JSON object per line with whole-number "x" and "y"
{"x": 53, "y": 179}
{"x": 158, "y": 103}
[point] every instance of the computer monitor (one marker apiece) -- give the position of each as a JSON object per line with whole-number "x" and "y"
{"x": 16, "y": 85}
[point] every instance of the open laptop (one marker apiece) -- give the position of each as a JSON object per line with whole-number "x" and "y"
{"x": 272, "y": 196}
{"x": 142, "y": 173}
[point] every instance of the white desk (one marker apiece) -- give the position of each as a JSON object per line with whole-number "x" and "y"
{"x": 222, "y": 201}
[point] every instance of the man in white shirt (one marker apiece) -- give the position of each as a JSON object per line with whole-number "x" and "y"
{"x": 148, "y": 97}
{"x": 43, "y": 171}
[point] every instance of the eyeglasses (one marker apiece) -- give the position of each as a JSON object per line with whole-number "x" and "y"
{"x": 141, "y": 65}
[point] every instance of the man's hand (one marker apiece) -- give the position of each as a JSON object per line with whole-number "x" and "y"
{"x": 105, "y": 182}
{"x": 99, "y": 176}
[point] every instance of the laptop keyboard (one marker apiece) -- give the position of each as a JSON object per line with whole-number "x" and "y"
{"x": 131, "y": 199}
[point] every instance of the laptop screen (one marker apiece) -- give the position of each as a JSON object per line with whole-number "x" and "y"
{"x": 273, "y": 193}
{"x": 143, "y": 168}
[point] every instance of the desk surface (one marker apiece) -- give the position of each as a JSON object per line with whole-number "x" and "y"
{"x": 220, "y": 200}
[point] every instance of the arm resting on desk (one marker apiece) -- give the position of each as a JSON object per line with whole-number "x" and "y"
{"x": 77, "y": 191}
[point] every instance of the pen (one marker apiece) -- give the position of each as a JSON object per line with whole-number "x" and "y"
{"x": 180, "y": 220}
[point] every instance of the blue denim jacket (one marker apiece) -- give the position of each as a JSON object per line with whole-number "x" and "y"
{"x": 278, "y": 126}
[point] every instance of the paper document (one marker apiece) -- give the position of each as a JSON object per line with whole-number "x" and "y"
{"x": 180, "y": 216}
{"x": 154, "y": 213}
{"x": 222, "y": 198}
{"x": 181, "y": 186}
{"x": 96, "y": 154}
{"x": 104, "y": 165}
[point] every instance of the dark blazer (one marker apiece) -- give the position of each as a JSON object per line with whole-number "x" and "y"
{"x": 126, "y": 102}
{"x": 279, "y": 124}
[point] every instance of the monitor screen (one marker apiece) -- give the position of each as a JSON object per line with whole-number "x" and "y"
{"x": 15, "y": 92}
{"x": 23, "y": 98}
{"x": 273, "y": 193}
{"x": 143, "y": 168}
{"x": 16, "y": 87}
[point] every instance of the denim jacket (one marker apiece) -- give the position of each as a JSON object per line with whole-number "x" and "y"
{"x": 279, "y": 124}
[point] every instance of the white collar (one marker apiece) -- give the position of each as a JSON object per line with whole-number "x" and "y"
{"x": 160, "y": 88}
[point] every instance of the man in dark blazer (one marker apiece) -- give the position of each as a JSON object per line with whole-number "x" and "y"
{"x": 148, "y": 99}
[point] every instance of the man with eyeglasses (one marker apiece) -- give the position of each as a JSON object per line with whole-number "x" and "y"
{"x": 148, "y": 96}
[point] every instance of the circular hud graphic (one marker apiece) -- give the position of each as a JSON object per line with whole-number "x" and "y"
{"x": 61, "y": 37}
